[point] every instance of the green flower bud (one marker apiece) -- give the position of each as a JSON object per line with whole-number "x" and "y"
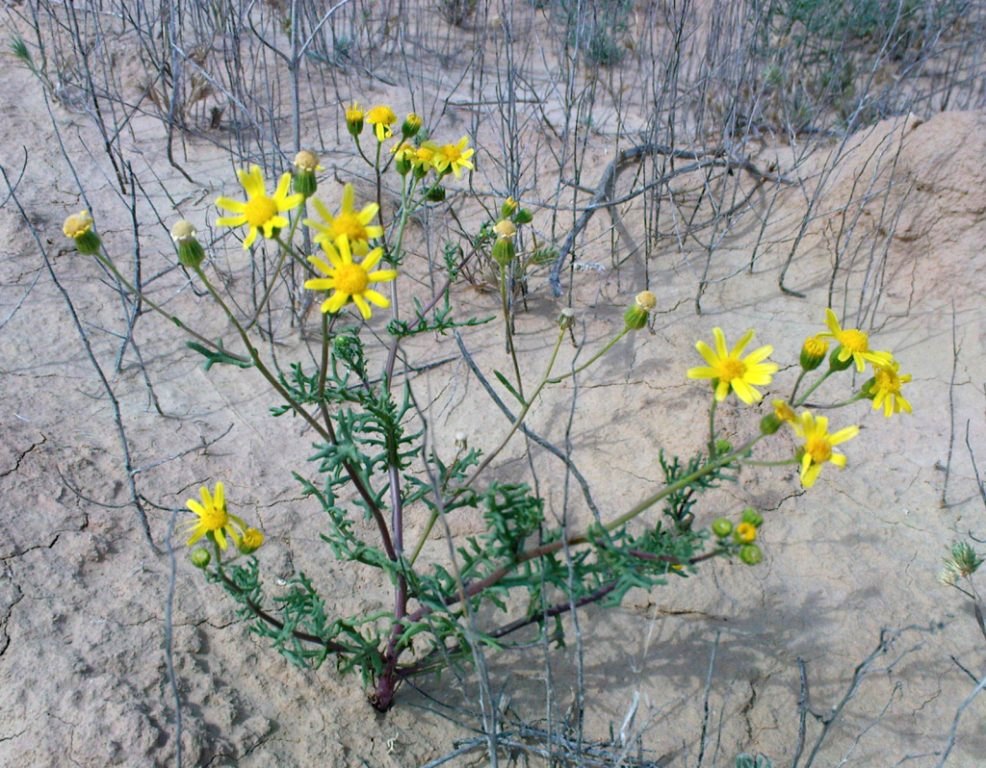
{"x": 504, "y": 251}
{"x": 200, "y": 557}
{"x": 769, "y": 424}
{"x": 354, "y": 120}
{"x": 78, "y": 227}
{"x": 508, "y": 208}
{"x": 722, "y": 527}
{"x": 751, "y": 516}
{"x": 723, "y": 446}
{"x": 190, "y": 251}
{"x": 524, "y": 216}
{"x": 411, "y": 126}
{"x": 750, "y": 554}
{"x": 813, "y": 352}
{"x": 435, "y": 194}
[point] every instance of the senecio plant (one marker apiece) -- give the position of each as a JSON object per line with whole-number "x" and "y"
{"x": 375, "y": 478}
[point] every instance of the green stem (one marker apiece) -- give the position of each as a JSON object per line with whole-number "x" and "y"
{"x": 813, "y": 387}
{"x": 508, "y": 330}
{"x": 106, "y": 262}
{"x": 712, "y": 426}
{"x": 606, "y": 348}
{"x": 259, "y": 364}
{"x": 523, "y": 412}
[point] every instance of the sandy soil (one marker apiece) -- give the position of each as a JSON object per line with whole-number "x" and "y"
{"x": 85, "y": 601}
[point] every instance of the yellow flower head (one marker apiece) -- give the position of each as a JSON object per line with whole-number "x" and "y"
{"x": 783, "y": 411}
{"x": 307, "y": 161}
{"x": 745, "y": 533}
{"x": 354, "y": 119}
{"x": 77, "y": 224}
{"x": 252, "y": 541}
{"x": 453, "y": 157}
{"x": 182, "y": 231}
{"x": 213, "y": 519}
{"x": 885, "y": 387}
{"x": 354, "y": 225}
{"x": 853, "y": 343}
{"x": 646, "y": 300}
{"x": 424, "y": 155}
{"x": 819, "y": 445}
{"x": 411, "y": 125}
{"x": 347, "y": 279}
{"x": 382, "y": 118}
{"x": 729, "y": 371}
{"x": 259, "y": 212}
{"x": 505, "y": 229}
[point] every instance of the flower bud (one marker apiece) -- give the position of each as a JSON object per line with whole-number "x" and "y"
{"x": 723, "y": 446}
{"x": 78, "y": 227}
{"x": 303, "y": 179}
{"x": 411, "y": 125}
{"x": 751, "y": 516}
{"x": 200, "y": 557}
{"x": 251, "y": 541}
{"x": 566, "y": 318}
{"x": 637, "y": 313}
{"x": 508, "y": 208}
{"x": 435, "y": 194}
{"x": 745, "y": 533}
{"x": 190, "y": 251}
{"x": 750, "y": 554}
{"x": 813, "y": 352}
{"x": 504, "y": 251}
{"x": 769, "y": 424}
{"x": 354, "y": 119}
{"x": 524, "y": 216}
{"x": 722, "y": 527}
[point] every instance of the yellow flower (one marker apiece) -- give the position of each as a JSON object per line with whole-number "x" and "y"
{"x": 78, "y": 227}
{"x": 348, "y": 279}
{"x": 412, "y": 124}
{"x": 306, "y": 160}
{"x": 355, "y": 226}
{"x": 505, "y": 229}
{"x": 213, "y": 519}
{"x": 853, "y": 343}
{"x": 425, "y": 153}
{"x": 885, "y": 387}
{"x": 382, "y": 118}
{"x": 259, "y": 212}
{"x": 354, "y": 119}
{"x": 783, "y": 411}
{"x": 77, "y": 224}
{"x": 745, "y": 533}
{"x": 727, "y": 370}
{"x": 252, "y": 541}
{"x": 453, "y": 157}
{"x": 818, "y": 447}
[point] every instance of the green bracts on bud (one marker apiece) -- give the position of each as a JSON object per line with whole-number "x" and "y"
{"x": 200, "y": 557}
{"x": 769, "y": 424}
{"x": 190, "y": 251}
{"x": 722, "y": 527}
{"x": 504, "y": 251}
{"x": 751, "y": 516}
{"x": 750, "y": 554}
